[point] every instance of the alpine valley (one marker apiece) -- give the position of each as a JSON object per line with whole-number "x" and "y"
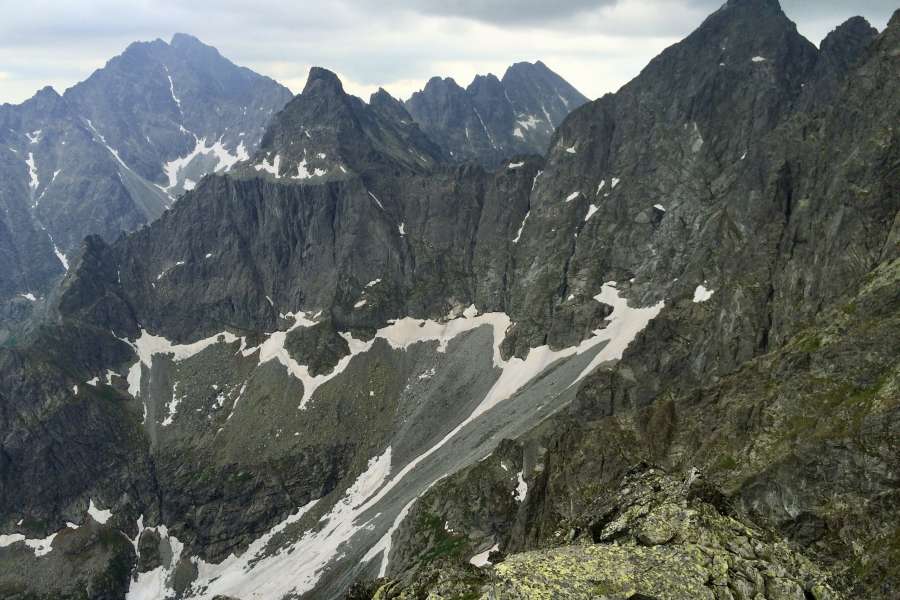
{"x": 498, "y": 342}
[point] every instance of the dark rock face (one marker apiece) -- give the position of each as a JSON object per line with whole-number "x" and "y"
{"x": 93, "y": 561}
{"x": 493, "y": 119}
{"x": 840, "y": 51}
{"x": 325, "y": 134}
{"x": 114, "y": 152}
{"x": 767, "y": 228}
{"x": 788, "y": 444}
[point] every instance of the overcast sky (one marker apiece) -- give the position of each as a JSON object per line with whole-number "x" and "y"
{"x": 597, "y": 45}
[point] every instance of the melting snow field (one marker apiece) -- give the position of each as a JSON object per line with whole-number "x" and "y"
{"x": 269, "y": 570}
{"x": 101, "y": 516}
{"x": 225, "y": 160}
{"x": 481, "y": 559}
{"x": 701, "y": 294}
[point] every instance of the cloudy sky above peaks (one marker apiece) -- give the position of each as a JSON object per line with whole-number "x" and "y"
{"x": 597, "y": 45}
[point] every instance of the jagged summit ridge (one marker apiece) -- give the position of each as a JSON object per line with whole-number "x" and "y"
{"x": 324, "y": 134}
{"x": 494, "y": 119}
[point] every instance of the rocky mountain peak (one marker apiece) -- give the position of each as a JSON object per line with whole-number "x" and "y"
{"x": 186, "y": 40}
{"x": 443, "y": 84}
{"x": 745, "y": 20}
{"x": 528, "y": 68}
{"x": 193, "y": 50}
{"x": 773, "y": 6}
{"x": 893, "y": 27}
{"x": 488, "y": 81}
{"x": 323, "y": 81}
{"x": 839, "y": 52}
{"x": 746, "y": 58}
{"x": 383, "y": 101}
{"x": 46, "y": 102}
{"x": 326, "y": 133}
{"x": 849, "y": 39}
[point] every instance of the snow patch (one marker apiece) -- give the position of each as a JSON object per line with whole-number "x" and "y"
{"x": 172, "y": 406}
{"x": 153, "y": 585}
{"x": 529, "y": 122}
{"x": 40, "y": 547}
{"x": 304, "y": 173}
{"x": 624, "y": 324}
{"x": 225, "y": 160}
{"x": 34, "y": 182}
{"x": 175, "y": 98}
{"x": 521, "y": 487}
{"x": 271, "y": 168}
{"x": 481, "y": 559}
{"x": 377, "y": 201}
{"x": 62, "y": 257}
{"x": 101, "y": 516}
{"x": 701, "y": 294}
{"x": 10, "y": 539}
{"x": 572, "y": 196}
{"x": 592, "y": 210}
{"x": 29, "y": 296}
{"x": 517, "y": 165}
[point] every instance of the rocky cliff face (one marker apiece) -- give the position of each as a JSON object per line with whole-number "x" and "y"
{"x": 672, "y": 343}
{"x": 495, "y": 119}
{"x": 115, "y": 151}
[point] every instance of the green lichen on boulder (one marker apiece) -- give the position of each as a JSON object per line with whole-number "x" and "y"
{"x": 657, "y": 536}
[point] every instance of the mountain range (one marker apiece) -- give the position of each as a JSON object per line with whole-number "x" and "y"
{"x": 116, "y": 150}
{"x": 658, "y": 360}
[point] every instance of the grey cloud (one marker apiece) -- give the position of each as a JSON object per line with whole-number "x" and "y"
{"x": 597, "y": 44}
{"x": 504, "y": 12}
